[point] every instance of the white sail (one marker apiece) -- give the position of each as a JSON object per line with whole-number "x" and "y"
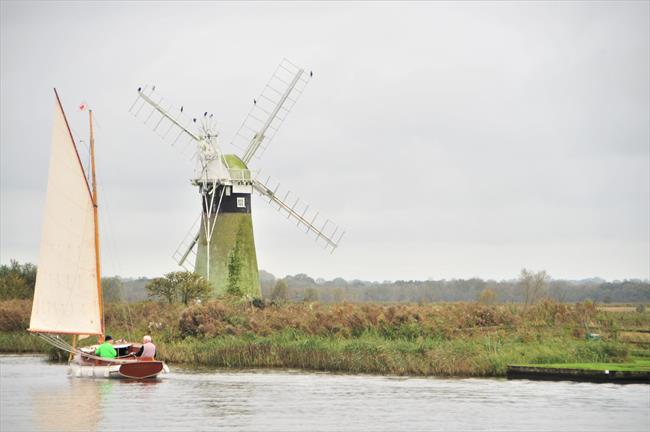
{"x": 66, "y": 296}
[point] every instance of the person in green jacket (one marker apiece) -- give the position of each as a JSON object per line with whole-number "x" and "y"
{"x": 106, "y": 349}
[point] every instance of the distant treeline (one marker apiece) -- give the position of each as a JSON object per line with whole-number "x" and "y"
{"x": 301, "y": 286}
{"x": 17, "y": 281}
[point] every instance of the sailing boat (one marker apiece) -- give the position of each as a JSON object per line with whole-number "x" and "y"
{"x": 68, "y": 294}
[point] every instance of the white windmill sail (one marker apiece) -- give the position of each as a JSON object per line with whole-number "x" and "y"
{"x": 270, "y": 109}
{"x": 171, "y": 125}
{"x": 186, "y": 251}
{"x": 329, "y": 233}
{"x": 66, "y": 296}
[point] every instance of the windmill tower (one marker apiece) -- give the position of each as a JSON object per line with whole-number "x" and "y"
{"x": 221, "y": 242}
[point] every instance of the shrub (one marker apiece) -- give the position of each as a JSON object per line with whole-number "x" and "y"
{"x": 280, "y": 292}
{"x": 487, "y": 296}
{"x": 14, "y": 315}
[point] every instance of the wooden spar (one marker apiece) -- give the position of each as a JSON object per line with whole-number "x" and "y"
{"x": 58, "y": 101}
{"x": 74, "y": 347}
{"x": 96, "y": 219}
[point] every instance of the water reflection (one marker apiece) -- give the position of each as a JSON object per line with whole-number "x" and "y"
{"x": 74, "y": 406}
{"x": 40, "y": 396}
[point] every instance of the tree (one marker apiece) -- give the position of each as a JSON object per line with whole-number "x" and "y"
{"x": 192, "y": 287}
{"x": 28, "y": 272}
{"x": 112, "y": 288}
{"x": 13, "y": 286}
{"x": 557, "y": 290}
{"x": 338, "y": 295}
{"x": 533, "y": 285}
{"x": 487, "y": 296}
{"x": 162, "y": 288}
{"x": 183, "y": 286}
{"x": 17, "y": 281}
{"x": 280, "y": 291}
{"x": 311, "y": 295}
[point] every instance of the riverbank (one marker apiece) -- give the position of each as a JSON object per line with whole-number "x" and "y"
{"x": 431, "y": 339}
{"x": 635, "y": 371}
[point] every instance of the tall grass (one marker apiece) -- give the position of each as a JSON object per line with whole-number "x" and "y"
{"x": 433, "y": 339}
{"x": 483, "y": 356}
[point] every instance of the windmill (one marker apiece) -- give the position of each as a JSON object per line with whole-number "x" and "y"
{"x": 221, "y": 242}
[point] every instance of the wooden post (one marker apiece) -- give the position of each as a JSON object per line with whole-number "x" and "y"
{"x": 96, "y": 219}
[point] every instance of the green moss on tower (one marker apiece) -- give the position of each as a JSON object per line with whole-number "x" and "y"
{"x": 233, "y": 162}
{"x": 232, "y": 232}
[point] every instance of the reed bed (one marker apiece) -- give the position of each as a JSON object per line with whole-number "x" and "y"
{"x": 463, "y": 339}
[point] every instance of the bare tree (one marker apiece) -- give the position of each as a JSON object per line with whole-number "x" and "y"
{"x": 533, "y": 285}
{"x": 558, "y": 290}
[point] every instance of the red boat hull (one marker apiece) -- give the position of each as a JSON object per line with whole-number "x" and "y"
{"x": 141, "y": 370}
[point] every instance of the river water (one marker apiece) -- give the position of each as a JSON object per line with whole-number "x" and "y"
{"x": 40, "y": 396}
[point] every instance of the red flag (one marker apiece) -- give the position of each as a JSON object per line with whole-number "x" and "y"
{"x": 82, "y": 106}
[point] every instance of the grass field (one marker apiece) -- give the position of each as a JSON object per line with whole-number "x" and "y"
{"x": 405, "y": 339}
{"x": 617, "y": 308}
{"x": 635, "y": 365}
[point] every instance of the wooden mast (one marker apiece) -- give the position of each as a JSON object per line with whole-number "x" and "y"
{"x": 96, "y": 219}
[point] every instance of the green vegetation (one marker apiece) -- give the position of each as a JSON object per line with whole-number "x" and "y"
{"x": 235, "y": 259}
{"x": 184, "y": 286}
{"x": 311, "y": 295}
{"x": 638, "y": 365}
{"x": 462, "y": 339}
{"x": 231, "y": 229}
{"x": 280, "y": 291}
{"x": 487, "y": 296}
{"x": 22, "y": 342}
{"x": 234, "y": 162}
{"x": 475, "y": 355}
{"x": 457, "y": 339}
{"x": 17, "y": 280}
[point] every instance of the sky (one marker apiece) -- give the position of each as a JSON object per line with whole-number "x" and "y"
{"x": 449, "y": 140}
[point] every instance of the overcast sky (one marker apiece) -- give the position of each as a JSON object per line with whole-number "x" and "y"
{"x": 450, "y": 140}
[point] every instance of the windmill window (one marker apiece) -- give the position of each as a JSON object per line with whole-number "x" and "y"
{"x": 241, "y": 202}
{"x": 228, "y": 191}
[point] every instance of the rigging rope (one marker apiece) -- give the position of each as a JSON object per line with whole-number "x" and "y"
{"x": 63, "y": 345}
{"x": 110, "y": 244}
{"x": 112, "y": 256}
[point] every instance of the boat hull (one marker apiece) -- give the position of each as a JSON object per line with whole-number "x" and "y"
{"x": 138, "y": 370}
